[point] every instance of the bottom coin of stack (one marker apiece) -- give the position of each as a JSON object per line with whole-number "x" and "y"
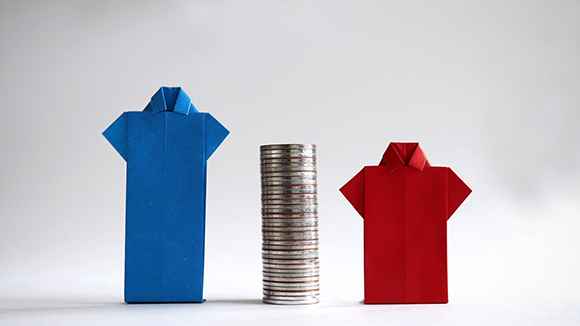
{"x": 289, "y": 224}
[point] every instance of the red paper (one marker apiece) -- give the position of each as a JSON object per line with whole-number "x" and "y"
{"x": 405, "y": 203}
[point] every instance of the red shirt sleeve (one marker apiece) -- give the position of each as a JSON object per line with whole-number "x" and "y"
{"x": 353, "y": 190}
{"x": 457, "y": 191}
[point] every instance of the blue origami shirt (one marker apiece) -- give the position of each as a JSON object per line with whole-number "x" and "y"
{"x": 166, "y": 147}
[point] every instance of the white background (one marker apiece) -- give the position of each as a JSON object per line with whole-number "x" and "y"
{"x": 490, "y": 88}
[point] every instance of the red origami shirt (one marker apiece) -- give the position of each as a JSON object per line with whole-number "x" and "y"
{"x": 405, "y": 203}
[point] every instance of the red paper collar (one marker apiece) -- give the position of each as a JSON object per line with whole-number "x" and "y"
{"x": 404, "y": 154}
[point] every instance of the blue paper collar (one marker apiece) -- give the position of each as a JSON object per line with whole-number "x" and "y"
{"x": 172, "y": 99}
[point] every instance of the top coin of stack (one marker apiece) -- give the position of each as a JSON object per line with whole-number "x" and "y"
{"x": 289, "y": 224}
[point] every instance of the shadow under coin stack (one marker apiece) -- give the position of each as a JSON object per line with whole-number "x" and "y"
{"x": 289, "y": 224}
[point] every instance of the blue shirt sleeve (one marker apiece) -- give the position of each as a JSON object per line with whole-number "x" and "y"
{"x": 116, "y": 134}
{"x": 215, "y": 134}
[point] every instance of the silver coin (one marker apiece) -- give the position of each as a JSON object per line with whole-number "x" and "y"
{"x": 287, "y": 190}
{"x": 289, "y": 220}
{"x": 305, "y": 190}
{"x": 288, "y": 158}
{"x": 287, "y": 228}
{"x": 290, "y": 242}
{"x": 287, "y": 168}
{"x": 304, "y": 179}
{"x": 305, "y": 265}
{"x": 298, "y": 163}
{"x": 291, "y": 279}
{"x": 284, "y": 255}
{"x": 288, "y": 209}
{"x": 296, "y": 256}
{"x": 266, "y": 175}
{"x": 289, "y": 203}
{"x": 289, "y": 223}
{"x": 287, "y": 149}
{"x": 282, "y": 293}
{"x": 272, "y": 168}
{"x": 290, "y": 261}
{"x": 310, "y": 270}
{"x": 291, "y": 299}
{"x": 285, "y": 286}
{"x": 288, "y": 237}
{"x": 282, "y": 190}
{"x": 270, "y": 237}
{"x": 291, "y": 286}
{"x": 286, "y": 146}
{"x": 303, "y": 296}
{"x": 290, "y": 196}
{"x": 287, "y": 182}
{"x": 292, "y": 216}
{"x": 292, "y": 152}
{"x": 283, "y": 269}
{"x": 315, "y": 287}
{"x": 281, "y": 272}
{"x": 289, "y": 247}
{"x": 306, "y": 197}
{"x": 290, "y": 275}
{"x": 290, "y": 252}
{"x": 296, "y": 226}
{"x": 289, "y": 268}
{"x": 291, "y": 208}
{"x": 295, "y": 267}
{"x": 297, "y": 176}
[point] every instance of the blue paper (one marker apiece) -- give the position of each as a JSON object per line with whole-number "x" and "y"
{"x": 166, "y": 147}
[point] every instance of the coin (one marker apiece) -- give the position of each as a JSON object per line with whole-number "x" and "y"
{"x": 290, "y": 261}
{"x": 294, "y": 286}
{"x": 290, "y": 242}
{"x": 273, "y": 265}
{"x": 307, "y": 197}
{"x": 289, "y": 303}
{"x": 288, "y": 209}
{"x": 289, "y": 222}
{"x": 288, "y": 228}
{"x": 285, "y": 293}
{"x": 286, "y": 270}
{"x": 282, "y": 190}
{"x": 293, "y": 216}
{"x": 289, "y": 174}
{"x": 294, "y": 274}
{"x": 289, "y": 247}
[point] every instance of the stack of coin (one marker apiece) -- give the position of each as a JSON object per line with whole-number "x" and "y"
{"x": 289, "y": 224}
